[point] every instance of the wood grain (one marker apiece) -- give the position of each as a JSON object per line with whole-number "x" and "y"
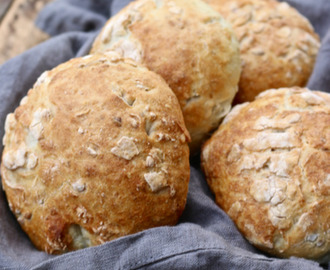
{"x": 17, "y": 29}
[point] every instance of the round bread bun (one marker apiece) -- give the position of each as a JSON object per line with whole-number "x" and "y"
{"x": 97, "y": 150}
{"x": 268, "y": 166}
{"x": 278, "y": 45}
{"x": 190, "y": 46}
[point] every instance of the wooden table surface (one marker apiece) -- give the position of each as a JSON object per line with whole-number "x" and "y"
{"x": 17, "y": 29}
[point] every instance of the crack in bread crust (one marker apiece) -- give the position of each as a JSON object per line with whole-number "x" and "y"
{"x": 278, "y": 45}
{"x": 83, "y": 162}
{"x": 268, "y": 166}
{"x": 191, "y": 46}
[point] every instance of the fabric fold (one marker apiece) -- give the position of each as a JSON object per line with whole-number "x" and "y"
{"x": 66, "y": 16}
{"x": 205, "y": 237}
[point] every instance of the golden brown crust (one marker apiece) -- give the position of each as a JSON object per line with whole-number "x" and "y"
{"x": 190, "y": 46}
{"x": 278, "y": 45}
{"x": 97, "y": 150}
{"x": 268, "y": 165}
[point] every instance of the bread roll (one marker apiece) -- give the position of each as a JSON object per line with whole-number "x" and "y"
{"x": 278, "y": 45}
{"x": 190, "y": 46}
{"x": 97, "y": 150}
{"x": 269, "y": 167}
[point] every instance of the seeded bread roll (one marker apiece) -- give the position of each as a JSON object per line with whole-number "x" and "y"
{"x": 278, "y": 45}
{"x": 97, "y": 150}
{"x": 190, "y": 46}
{"x": 268, "y": 165}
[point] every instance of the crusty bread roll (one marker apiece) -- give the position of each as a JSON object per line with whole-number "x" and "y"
{"x": 97, "y": 150}
{"x": 269, "y": 167}
{"x": 278, "y": 45}
{"x": 190, "y": 46}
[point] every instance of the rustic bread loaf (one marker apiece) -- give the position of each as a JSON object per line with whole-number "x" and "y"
{"x": 269, "y": 167}
{"x": 190, "y": 46}
{"x": 278, "y": 45}
{"x": 97, "y": 150}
